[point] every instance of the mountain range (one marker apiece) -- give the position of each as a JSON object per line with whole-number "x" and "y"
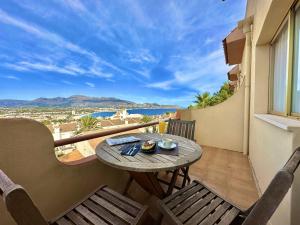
{"x": 76, "y": 101}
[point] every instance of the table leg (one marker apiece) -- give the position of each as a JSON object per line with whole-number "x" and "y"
{"x": 128, "y": 185}
{"x": 173, "y": 182}
{"x": 149, "y": 182}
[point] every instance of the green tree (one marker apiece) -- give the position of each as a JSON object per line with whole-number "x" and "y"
{"x": 146, "y": 119}
{"x": 46, "y": 122}
{"x": 88, "y": 122}
{"x": 205, "y": 99}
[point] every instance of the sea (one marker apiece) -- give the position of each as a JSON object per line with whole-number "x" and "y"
{"x": 147, "y": 112}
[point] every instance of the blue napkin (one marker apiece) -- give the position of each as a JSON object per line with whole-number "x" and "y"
{"x": 130, "y": 150}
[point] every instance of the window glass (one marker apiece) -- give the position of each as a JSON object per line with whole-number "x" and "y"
{"x": 280, "y": 70}
{"x": 296, "y": 69}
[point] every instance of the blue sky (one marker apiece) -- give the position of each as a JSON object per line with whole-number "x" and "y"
{"x": 139, "y": 50}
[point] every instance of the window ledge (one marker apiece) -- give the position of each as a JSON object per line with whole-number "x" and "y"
{"x": 284, "y": 123}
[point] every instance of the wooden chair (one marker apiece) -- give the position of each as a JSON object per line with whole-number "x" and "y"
{"x": 197, "y": 204}
{"x": 104, "y": 206}
{"x": 185, "y": 129}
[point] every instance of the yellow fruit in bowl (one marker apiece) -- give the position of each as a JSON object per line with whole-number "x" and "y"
{"x": 148, "y": 145}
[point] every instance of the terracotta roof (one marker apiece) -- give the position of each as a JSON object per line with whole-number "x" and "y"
{"x": 105, "y": 123}
{"x": 66, "y": 127}
{"x": 117, "y": 122}
{"x": 133, "y": 120}
{"x": 72, "y": 156}
{"x": 50, "y": 128}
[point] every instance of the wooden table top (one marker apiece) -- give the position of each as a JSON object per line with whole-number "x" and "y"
{"x": 189, "y": 152}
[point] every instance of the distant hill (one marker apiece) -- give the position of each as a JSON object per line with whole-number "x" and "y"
{"x": 76, "y": 101}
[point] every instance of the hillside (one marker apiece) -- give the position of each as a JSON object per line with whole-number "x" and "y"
{"x": 75, "y": 101}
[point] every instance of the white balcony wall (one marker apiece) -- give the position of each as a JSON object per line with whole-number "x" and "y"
{"x": 27, "y": 157}
{"x": 221, "y": 125}
{"x": 270, "y": 145}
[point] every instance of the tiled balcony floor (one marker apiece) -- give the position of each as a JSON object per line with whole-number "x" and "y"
{"x": 227, "y": 172}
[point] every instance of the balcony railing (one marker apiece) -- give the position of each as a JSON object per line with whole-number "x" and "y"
{"x": 86, "y": 137}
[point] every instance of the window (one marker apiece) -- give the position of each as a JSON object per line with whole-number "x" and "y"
{"x": 285, "y": 67}
{"x": 279, "y": 53}
{"x": 296, "y": 66}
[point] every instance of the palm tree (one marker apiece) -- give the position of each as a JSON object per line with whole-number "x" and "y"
{"x": 88, "y": 122}
{"x": 203, "y": 100}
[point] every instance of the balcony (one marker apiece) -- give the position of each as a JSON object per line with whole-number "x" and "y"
{"x": 31, "y": 162}
{"x": 244, "y": 143}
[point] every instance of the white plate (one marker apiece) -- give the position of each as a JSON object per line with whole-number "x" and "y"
{"x": 160, "y": 144}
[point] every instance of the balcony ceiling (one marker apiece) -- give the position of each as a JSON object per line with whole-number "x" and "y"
{"x": 233, "y": 73}
{"x": 234, "y": 46}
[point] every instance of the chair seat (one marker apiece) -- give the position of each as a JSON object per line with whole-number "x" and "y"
{"x": 196, "y": 204}
{"x": 105, "y": 206}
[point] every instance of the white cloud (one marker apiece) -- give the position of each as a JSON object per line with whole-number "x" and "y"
{"x": 164, "y": 85}
{"x": 209, "y": 40}
{"x": 144, "y": 72}
{"x": 45, "y": 67}
{"x": 11, "y": 77}
{"x": 49, "y": 66}
{"x": 90, "y": 84}
{"x": 57, "y": 40}
{"x": 141, "y": 56}
{"x": 16, "y": 67}
{"x": 67, "y": 82}
{"x": 76, "y": 5}
{"x": 198, "y": 72}
{"x": 75, "y": 68}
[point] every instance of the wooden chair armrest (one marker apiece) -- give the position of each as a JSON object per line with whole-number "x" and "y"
{"x": 5, "y": 182}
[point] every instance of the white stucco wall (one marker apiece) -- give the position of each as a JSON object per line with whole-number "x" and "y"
{"x": 269, "y": 146}
{"x": 220, "y": 125}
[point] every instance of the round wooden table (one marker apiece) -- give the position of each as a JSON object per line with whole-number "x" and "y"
{"x": 143, "y": 167}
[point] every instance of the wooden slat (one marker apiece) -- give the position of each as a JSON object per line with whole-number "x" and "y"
{"x": 147, "y": 158}
{"x": 63, "y": 221}
{"x": 76, "y": 219}
{"x": 113, "y": 209}
{"x": 160, "y": 158}
{"x": 123, "y": 198}
{"x": 197, "y": 207}
{"x": 186, "y": 195}
{"x": 217, "y": 214}
{"x": 173, "y": 196}
{"x": 117, "y": 202}
{"x": 203, "y": 213}
{"x": 141, "y": 158}
{"x": 107, "y": 216}
{"x": 116, "y": 155}
{"x": 89, "y": 215}
{"x": 229, "y": 216}
{"x": 186, "y": 204}
{"x": 189, "y": 152}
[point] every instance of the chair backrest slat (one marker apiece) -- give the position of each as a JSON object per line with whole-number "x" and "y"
{"x": 276, "y": 191}
{"x": 181, "y": 128}
{"x": 19, "y": 204}
{"x": 293, "y": 162}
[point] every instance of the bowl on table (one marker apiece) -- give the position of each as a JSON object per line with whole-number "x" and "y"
{"x": 167, "y": 144}
{"x": 148, "y": 146}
